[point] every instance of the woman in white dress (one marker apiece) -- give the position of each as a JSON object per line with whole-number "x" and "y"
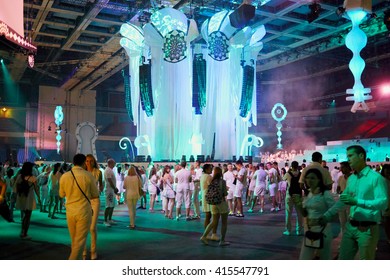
{"x": 168, "y": 192}
{"x": 152, "y": 188}
{"x": 26, "y": 188}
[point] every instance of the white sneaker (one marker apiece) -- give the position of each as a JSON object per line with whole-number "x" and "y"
{"x": 261, "y": 210}
{"x": 287, "y": 232}
{"x": 107, "y": 224}
{"x": 112, "y": 222}
{"x": 272, "y": 209}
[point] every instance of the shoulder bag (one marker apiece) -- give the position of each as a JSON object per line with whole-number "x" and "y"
{"x": 82, "y": 191}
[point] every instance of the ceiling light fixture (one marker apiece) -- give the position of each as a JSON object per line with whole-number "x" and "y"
{"x": 314, "y": 12}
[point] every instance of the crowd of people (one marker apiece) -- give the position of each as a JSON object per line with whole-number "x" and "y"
{"x": 353, "y": 191}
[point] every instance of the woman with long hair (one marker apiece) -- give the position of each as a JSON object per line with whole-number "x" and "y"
{"x": 54, "y": 188}
{"x": 168, "y": 192}
{"x": 152, "y": 188}
{"x": 315, "y": 205}
{"x": 93, "y": 167}
{"x": 133, "y": 186}
{"x": 219, "y": 210}
{"x": 26, "y": 186}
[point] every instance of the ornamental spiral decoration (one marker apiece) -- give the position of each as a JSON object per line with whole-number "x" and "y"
{"x": 279, "y": 113}
{"x": 175, "y": 46}
{"x": 218, "y": 46}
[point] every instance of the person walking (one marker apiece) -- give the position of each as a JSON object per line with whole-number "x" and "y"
{"x": 26, "y": 186}
{"x": 220, "y": 210}
{"x": 366, "y": 194}
{"x": 79, "y": 187}
{"x": 133, "y": 186}
{"x": 93, "y": 168}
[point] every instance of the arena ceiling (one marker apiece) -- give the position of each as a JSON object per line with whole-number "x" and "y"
{"x": 78, "y": 40}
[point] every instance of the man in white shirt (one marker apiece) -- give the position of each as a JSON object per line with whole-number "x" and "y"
{"x": 78, "y": 186}
{"x": 198, "y": 173}
{"x": 228, "y": 176}
{"x": 317, "y": 163}
{"x": 366, "y": 193}
{"x": 335, "y": 176}
{"x": 273, "y": 185}
{"x": 240, "y": 185}
{"x": 110, "y": 182}
{"x": 183, "y": 179}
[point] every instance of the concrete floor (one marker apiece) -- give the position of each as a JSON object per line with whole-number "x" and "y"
{"x": 254, "y": 237}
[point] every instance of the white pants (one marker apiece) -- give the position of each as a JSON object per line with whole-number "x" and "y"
{"x": 182, "y": 194}
{"x": 79, "y": 225}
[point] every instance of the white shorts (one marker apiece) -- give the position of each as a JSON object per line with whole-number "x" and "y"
{"x": 252, "y": 186}
{"x": 238, "y": 191}
{"x": 230, "y": 192}
{"x": 259, "y": 190}
{"x": 110, "y": 200}
{"x": 152, "y": 189}
{"x": 273, "y": 189}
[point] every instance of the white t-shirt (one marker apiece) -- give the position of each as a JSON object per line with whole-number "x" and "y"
{"x": 243, "y": 174}
{"x": 183, "y": 178}
{"x": 228, "y": 176}
{"x": 109, "y": 173}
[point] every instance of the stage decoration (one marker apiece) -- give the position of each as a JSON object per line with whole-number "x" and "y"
{"x": 14, "y": 37}
{"x": 218, "y": 46}
{"x": 145, "y": 88}
{"x": 166, "y": 20}
{"x": 134, "y": 44}
{"x": 169, "y": 35}
{"x": 247, "y": 90}
{"x": 356, "y": 40}
{"x": 123, "y": 145}
{"x": 199, "y": 83}
{"x": 175, "y": 46}
{"x": 86, "y": 134}
{"x": 143, "y": 141}
{"x": 59, "y": 117}
{"x": 248, "y": 142}
{"x": 126, "y": 82}
{"x": 196, "y": 141}
{"x": 279, "y": 113}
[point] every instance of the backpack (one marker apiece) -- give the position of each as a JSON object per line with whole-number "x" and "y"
{"x": 214, "y": 194}
{"x": 294, "y": 184}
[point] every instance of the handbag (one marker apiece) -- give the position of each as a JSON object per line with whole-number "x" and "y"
{"x": 214, "y": 194}
{"x": 314, "y": 239}
{"x": 82, "y": 191}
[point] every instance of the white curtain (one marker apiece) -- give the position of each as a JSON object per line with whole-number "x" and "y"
{"x": 171, "y": 83}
